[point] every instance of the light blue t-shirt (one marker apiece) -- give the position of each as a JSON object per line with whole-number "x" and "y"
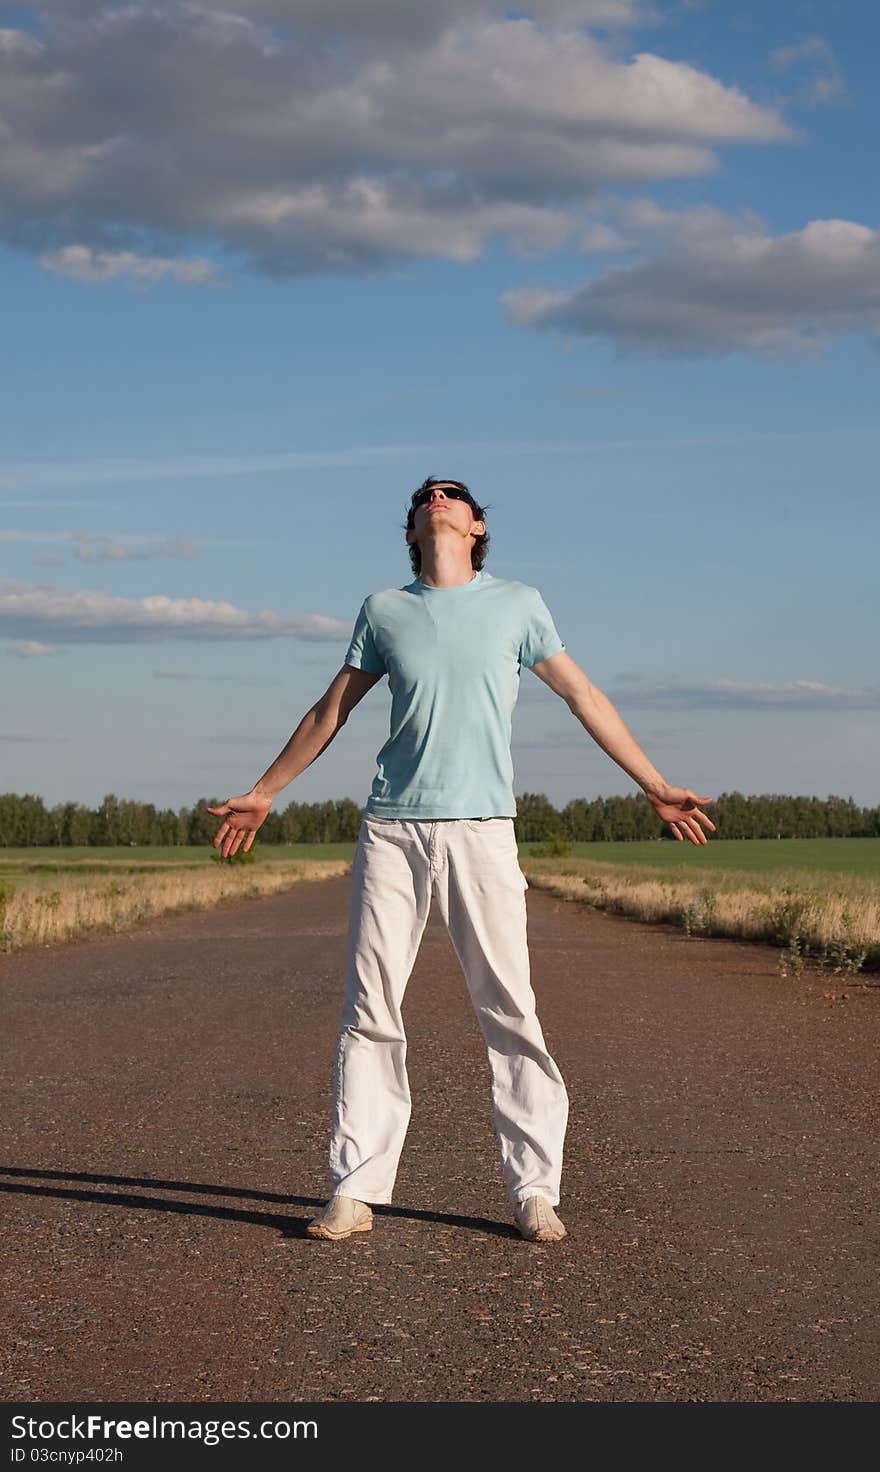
{"x": 453, "y": 658}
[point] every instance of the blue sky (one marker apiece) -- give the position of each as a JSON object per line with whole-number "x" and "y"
{"x": 265, "y": 268}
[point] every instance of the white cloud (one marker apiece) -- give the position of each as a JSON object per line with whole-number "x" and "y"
{"x": 633, "y": 692}
{"x": 28, "y": 610}
{"x": 98, "y": 547}
{"x": 42, "y": 473}
{"x": 601, "y": 239}
{"x": 336, "y": 136}
{"x": 30, "y": 649}
{"x": 94, "y": 547}
{"x": 814, "y": 58}
{"x": 712, "y": 283}
{"x": 87, "y": 264}
{"x": 798, "y": 695}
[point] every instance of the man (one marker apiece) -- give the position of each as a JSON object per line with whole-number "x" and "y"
{"x": 439, "y": 824}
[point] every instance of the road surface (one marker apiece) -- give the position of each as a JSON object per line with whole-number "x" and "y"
{"x": 164, "y": 1134}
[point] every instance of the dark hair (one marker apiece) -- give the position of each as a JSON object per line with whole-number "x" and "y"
{"x": 480, "y": 544}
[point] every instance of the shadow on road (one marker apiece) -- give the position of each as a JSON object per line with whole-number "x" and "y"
{"x": 288, "y": 1226}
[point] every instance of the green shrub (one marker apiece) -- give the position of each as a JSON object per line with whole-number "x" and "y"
{"x": 555, "y": 846}
{"x": 789, "y": 919}
{"x": 698, "y": 917}
{"x": 844, "y": 953}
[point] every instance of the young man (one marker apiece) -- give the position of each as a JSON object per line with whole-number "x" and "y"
{"x": 439, "y": 824}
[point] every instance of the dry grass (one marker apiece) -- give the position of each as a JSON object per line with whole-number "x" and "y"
{"x": 39, "y": 915}
{"x": 831, "y": 920}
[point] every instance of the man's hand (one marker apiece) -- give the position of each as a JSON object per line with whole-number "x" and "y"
{"x": 678, "y": 805}
{"x": 244, "y": 815}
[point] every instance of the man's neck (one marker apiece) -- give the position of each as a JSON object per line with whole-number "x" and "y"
{"x": 446, "y": 572}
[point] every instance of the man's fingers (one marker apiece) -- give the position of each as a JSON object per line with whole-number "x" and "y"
{"x": 232, "y": 836}
{"x": 689, "y": 822}
{"x": 701, "y": 818}
{"x": 697, "y": 832}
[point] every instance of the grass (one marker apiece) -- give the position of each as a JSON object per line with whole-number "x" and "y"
{"x": 815, "y": 900}
{"x": 43, "y": 903}
{"x": 828, "y": 915}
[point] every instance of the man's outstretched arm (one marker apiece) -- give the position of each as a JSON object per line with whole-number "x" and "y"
{"x": 677, "y": 806}
{"x": 244, "y": 815}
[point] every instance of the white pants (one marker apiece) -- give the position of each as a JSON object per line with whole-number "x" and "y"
{"x": 472, "y": 865}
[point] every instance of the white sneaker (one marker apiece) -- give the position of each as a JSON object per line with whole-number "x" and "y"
{"x": 537, "y": 1221}
{"x": 340, "y": 1217}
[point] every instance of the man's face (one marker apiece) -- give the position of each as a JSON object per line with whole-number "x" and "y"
{"x": 444, "y": 514}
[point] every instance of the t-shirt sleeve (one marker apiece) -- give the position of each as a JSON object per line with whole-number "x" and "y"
{"x": 362, "y": 652}
{"x": 540, "y": 637}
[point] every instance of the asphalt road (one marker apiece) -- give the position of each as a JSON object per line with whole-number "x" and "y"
{"x": 166, "y": 1102}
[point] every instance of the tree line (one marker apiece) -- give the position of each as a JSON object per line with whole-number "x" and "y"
{"x": 26, "y": 822}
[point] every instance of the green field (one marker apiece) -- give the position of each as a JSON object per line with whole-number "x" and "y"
{"x": 33, "y": 862}
{"x": 758, "y": 856}
{"x": 750, "y": 855}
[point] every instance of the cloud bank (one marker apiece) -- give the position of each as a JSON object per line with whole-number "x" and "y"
{"x": 42, "y": 611}
{"x": 631, "y": 692}
{"x": 334, "y": 135}
{"x": 797, "y": 695}
{"x": 708, "y": 283}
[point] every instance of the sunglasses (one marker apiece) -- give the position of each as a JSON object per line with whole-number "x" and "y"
{"x": 453, "y": 492}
